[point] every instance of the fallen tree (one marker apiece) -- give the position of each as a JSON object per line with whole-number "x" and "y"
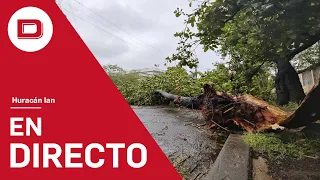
{"x": 247, "y": 111}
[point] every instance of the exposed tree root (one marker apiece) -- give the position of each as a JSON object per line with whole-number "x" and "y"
{"x": 248, "y": 112}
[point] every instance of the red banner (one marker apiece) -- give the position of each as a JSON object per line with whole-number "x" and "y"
{"x": 62, "y": 116}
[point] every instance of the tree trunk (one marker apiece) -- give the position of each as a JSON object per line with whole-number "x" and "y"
{"x": 248, "y": 112}
{"x": 288, "y": 85}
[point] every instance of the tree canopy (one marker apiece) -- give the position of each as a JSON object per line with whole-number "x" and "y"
{"x": 255, "y": 34}
{"x": 249, "y": 30}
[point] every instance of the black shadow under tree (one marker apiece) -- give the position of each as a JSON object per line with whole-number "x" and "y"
{"x": 254, "y": 32}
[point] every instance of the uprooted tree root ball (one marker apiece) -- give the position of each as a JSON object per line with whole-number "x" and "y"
{"x": 248, "y": 112}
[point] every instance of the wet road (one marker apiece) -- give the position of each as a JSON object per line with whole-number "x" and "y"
{"x": 184, "y": 138}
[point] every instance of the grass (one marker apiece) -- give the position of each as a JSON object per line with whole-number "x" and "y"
{"x": 283, "y": 145}
{"x": 290, "y": 108}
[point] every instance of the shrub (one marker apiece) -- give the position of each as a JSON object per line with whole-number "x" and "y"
{"x": 139, "y": 90}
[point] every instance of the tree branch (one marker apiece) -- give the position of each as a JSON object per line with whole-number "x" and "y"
{"x": 312, "y": 40}
{"x": 254, "y": 72}
{"x": 234, "y": 14}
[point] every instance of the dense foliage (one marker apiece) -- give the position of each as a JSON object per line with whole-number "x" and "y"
{"x": 252, "y": 32}
{"x": 139, "y": 90}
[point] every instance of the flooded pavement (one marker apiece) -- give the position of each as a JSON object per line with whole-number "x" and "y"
{"x": 183, "y": 136}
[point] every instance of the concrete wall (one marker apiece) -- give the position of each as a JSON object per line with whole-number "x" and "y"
{"x": 309, "y": 78}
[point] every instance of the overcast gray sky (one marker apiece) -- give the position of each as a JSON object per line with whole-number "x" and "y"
{"x": 133, "y": 34}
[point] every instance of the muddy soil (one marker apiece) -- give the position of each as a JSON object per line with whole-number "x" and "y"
{"x": 184, "y": 137}
{"x": 303, "y": 169}
{"x": 307, "y": 168}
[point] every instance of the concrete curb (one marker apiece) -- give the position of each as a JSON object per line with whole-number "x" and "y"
{"x": 233, "y": 162}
